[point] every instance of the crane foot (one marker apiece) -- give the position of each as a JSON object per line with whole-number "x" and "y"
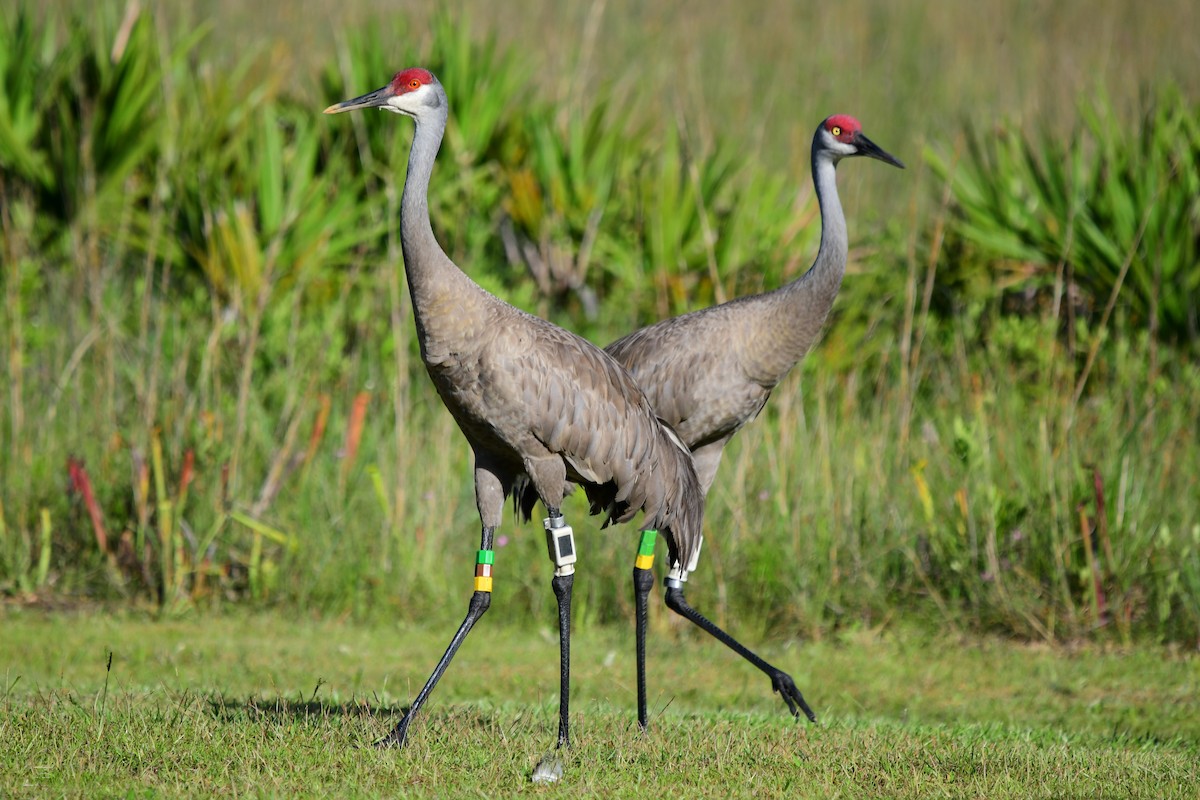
{"x": 780, "y": 680}
{"x": 397, "y": 737}
{"x": 782, "y": 683}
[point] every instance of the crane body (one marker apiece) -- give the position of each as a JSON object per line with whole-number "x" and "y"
{"x": 538, "y": 405}
{"x": 710, "y": 372}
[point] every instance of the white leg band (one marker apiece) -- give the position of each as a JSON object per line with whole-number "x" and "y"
{"x": 560, "y": 543}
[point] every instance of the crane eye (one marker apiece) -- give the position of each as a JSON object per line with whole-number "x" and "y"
{"x": 836, "y": 130}
{"x": 414, "y": 84}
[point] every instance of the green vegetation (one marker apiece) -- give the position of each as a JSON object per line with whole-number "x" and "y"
{"x": 221, "y": 460}
{"x": 1091, "y": 211}
{"x": 270, "y": 705}
{"x": 212, "y": 395}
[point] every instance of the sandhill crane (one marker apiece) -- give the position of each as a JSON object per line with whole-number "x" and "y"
{"x": 539, "y": 406}
{"x": 710, "y": 372}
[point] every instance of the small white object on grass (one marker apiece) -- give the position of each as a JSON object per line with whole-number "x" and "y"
{"x": 548, "y": 770}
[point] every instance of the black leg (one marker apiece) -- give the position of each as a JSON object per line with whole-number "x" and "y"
{"x": 560, "y": 543}
{"x": 479, "y": 604}
{"x": 780, "y": 680}
{"x": 643, "y": 580}
{"x": 562, "y": 590}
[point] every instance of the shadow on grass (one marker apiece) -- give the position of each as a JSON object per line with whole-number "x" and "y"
{"x": 284, "y": 712}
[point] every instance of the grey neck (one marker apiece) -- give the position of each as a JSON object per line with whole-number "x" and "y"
{"x": 824, "y": 278}
{"x": 435, "y": 283}
{"x": 800, "y": 307}
{"x": 420, "y": 246}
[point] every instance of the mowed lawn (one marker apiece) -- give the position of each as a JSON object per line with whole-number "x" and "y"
{"x": 272, "y": 705}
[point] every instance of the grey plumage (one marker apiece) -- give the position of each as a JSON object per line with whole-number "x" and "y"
{"x": 538, "y": 405}
{"x": 534, "y": 401}
{"x": 710, "y": 372}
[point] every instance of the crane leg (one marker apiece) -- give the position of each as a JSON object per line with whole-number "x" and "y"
{"x": 560, "y": 541}
{"x": 781, "y": 682}
{"x": 562, "y": 585}
{"x": 480, "y": 600}
{"x": 643, "y": 581}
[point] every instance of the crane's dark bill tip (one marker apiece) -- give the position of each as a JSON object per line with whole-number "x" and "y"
{"x": 868, "y": 148}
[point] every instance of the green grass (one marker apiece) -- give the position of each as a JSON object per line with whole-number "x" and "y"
{"x": 263, "y": 705}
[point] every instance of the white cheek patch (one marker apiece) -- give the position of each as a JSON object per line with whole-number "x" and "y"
{"x": 409, "y": 100}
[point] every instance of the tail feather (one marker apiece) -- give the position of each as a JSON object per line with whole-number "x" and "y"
{"x": 681, "y": 519}
{"x": 670, "y": 494}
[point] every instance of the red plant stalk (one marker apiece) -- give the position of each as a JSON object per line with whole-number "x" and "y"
{"x": 358, "y": 415}
{"x": 185, "y": 476}
{"x": 318, "y": 431}
{"x": 81, "y": 484}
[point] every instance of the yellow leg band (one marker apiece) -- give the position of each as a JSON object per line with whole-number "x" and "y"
{"x": 483, "y": 584}
{"x": 644, "y": 562}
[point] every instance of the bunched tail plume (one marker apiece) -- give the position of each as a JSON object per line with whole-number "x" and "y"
{"x": 681, "y": 519}
{"x": 674, "y": 501}
{"x": 671, "y": 497}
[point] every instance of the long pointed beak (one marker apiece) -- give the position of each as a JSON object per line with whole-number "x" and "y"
{"x": 868, "y": 148}
{"x": 373, "y": 99}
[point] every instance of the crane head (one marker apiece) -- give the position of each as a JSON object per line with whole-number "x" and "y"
{"x": 841, "y": 136}
{"x": 409, "y": 91}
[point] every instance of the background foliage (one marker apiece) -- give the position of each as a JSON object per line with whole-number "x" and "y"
{"x": 212, "y": 393}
